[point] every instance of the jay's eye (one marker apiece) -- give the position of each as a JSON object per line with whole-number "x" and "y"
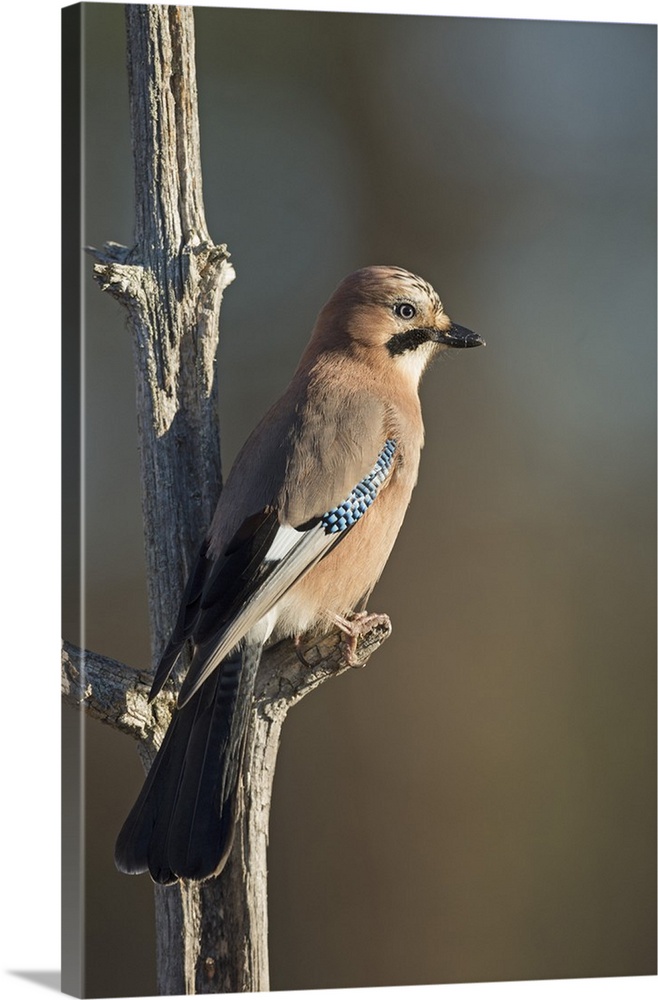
{"x": 405, "y": 310}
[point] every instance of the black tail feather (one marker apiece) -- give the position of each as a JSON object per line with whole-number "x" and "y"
{"x": 183, "y": 822}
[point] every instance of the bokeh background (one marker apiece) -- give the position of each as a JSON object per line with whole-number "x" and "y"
{"x": 478, "y": 804}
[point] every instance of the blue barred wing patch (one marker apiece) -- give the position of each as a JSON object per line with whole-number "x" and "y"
{"x": 293, "y": 552}
{"x": 363, "y": 494}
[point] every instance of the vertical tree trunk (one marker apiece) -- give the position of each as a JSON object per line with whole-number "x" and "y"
{"x": 211, "y": 936}
{"x": 172, "y": 282}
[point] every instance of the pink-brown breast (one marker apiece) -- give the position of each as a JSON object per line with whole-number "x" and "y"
{"x": 351, "y": 570}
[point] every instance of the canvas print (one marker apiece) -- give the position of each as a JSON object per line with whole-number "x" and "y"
{"x": 358, "y": 658}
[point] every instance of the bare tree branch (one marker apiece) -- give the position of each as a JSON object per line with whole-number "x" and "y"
{"x": 114, "y": 694}
{"x": 210, "y": 937}
{"x": 117, "y": 695}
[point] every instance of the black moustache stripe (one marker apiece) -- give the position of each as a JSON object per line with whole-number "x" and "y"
{"x": 408, "y": 340}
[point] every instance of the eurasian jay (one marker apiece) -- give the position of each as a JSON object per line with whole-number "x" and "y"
{"x": 300, "y": 536}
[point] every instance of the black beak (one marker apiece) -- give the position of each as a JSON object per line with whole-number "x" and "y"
{"x": 458, "y": 336}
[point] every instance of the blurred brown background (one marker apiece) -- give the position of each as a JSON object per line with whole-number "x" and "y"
{"x": 478, "y": 804}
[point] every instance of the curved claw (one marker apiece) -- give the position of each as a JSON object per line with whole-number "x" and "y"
{"x": 354, "y": 628}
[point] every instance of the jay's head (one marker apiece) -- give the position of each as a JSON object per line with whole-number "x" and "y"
{"x": 390, "y": 317}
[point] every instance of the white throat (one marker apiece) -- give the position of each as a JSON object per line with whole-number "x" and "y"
{"x": 414, "y": 363}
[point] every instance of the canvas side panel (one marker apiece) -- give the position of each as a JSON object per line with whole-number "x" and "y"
{"x": 72, "y": 594}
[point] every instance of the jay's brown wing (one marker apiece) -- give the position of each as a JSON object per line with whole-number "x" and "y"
{"x": 229, "y": 609}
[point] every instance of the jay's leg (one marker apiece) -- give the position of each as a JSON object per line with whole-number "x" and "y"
{"x": 359, "y": 624}
{"x": 298, "y": 649}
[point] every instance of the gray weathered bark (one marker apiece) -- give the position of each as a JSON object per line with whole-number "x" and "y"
{"x": 211, "y": 937}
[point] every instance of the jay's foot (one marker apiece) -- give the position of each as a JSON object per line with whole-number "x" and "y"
{"x": 356, "y": 626}
{"x": 300, "y": 656}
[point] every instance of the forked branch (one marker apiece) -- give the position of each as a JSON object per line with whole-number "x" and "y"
{"x": 211, "y": 936}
